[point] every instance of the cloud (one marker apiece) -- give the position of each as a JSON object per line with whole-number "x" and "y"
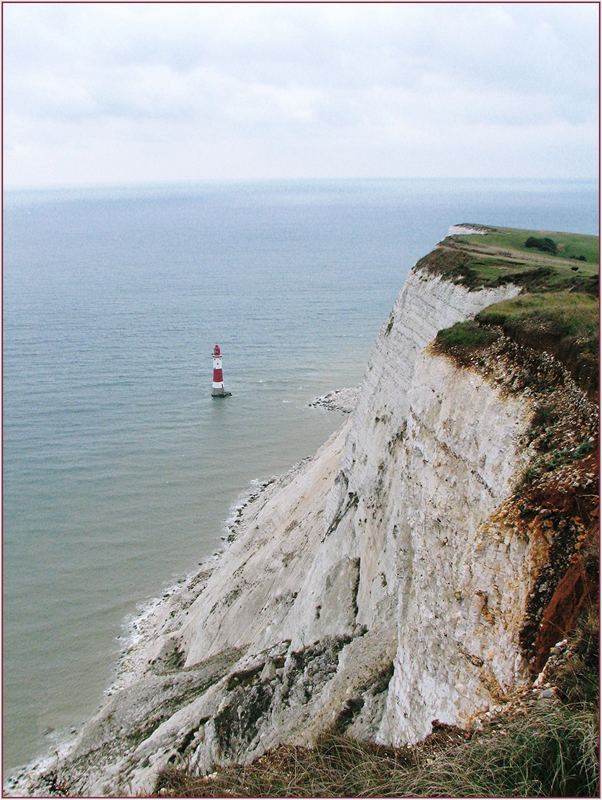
{"x": 119, "y": 93}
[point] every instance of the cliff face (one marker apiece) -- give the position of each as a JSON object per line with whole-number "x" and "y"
{"x": 378, "y": 586}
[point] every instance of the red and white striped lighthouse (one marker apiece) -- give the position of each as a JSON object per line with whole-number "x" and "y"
{"x": 217, "y": 389}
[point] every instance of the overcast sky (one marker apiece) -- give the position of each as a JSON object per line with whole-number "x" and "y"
{"x": 132, "y": 93}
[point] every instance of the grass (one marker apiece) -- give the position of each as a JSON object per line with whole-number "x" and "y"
{"x": 578, "y": 679}
{"x": 476, "y": 271}
{"x": 557, "y": 310}
{"x": 464, "y": 338}
{"x": 551, "y": 751}
{"x": 558, "y": 313}
{"x": 500, "y": 256}
{"x": 546, "y": 748}
{"x": 570, "y": 245}
{"x": 562, "y": 323}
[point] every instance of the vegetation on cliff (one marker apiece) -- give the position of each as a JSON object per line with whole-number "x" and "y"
{"x": 556, "y": 311}
{"x": 500, "y": 256}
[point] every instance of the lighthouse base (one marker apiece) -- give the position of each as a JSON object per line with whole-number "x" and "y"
{"x": 220, "y": 393}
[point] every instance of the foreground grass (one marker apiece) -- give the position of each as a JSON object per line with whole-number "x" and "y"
{"x": 541, "y": 747}
{"x": 549, "y": 752}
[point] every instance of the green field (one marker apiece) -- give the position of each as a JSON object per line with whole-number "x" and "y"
{"x": 570, "y": 245}
{"x": 500, "y": 256}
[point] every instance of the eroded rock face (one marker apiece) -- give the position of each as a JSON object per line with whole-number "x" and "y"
{"x": 376, "y": 587}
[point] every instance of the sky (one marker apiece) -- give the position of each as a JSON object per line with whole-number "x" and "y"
{"x": 121, "y": 94}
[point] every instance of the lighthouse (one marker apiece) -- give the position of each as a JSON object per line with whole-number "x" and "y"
{"x": 217, "y": 388}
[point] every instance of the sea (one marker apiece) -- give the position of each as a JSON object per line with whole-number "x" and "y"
{"x": 119, "y": 468}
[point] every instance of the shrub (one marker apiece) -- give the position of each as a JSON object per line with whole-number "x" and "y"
{"x": 545, "y": 244}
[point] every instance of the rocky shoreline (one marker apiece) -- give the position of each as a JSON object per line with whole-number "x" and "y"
{"x": 164, "y": 612}
{"x": 342, "y": 400}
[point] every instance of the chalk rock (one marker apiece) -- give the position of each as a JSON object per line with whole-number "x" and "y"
{"x": 371, "y": 588}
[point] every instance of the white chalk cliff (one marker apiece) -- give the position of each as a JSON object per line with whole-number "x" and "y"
{"x": 375, "y": 587}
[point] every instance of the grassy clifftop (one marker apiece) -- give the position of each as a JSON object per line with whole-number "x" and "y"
{"x": 557, "y": 310}
{"x": 569, "y": 246}
{"x": 540, "y": 261}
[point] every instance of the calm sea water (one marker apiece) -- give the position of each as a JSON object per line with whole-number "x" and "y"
{"x": 119, "y": 468}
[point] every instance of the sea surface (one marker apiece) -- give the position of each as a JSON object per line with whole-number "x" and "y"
{"x": 119, "y": 467}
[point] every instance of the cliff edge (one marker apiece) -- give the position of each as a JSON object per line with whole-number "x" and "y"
{"x": 414, "y": 572}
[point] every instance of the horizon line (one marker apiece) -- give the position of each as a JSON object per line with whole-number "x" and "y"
{"x": 282, "y": 179}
